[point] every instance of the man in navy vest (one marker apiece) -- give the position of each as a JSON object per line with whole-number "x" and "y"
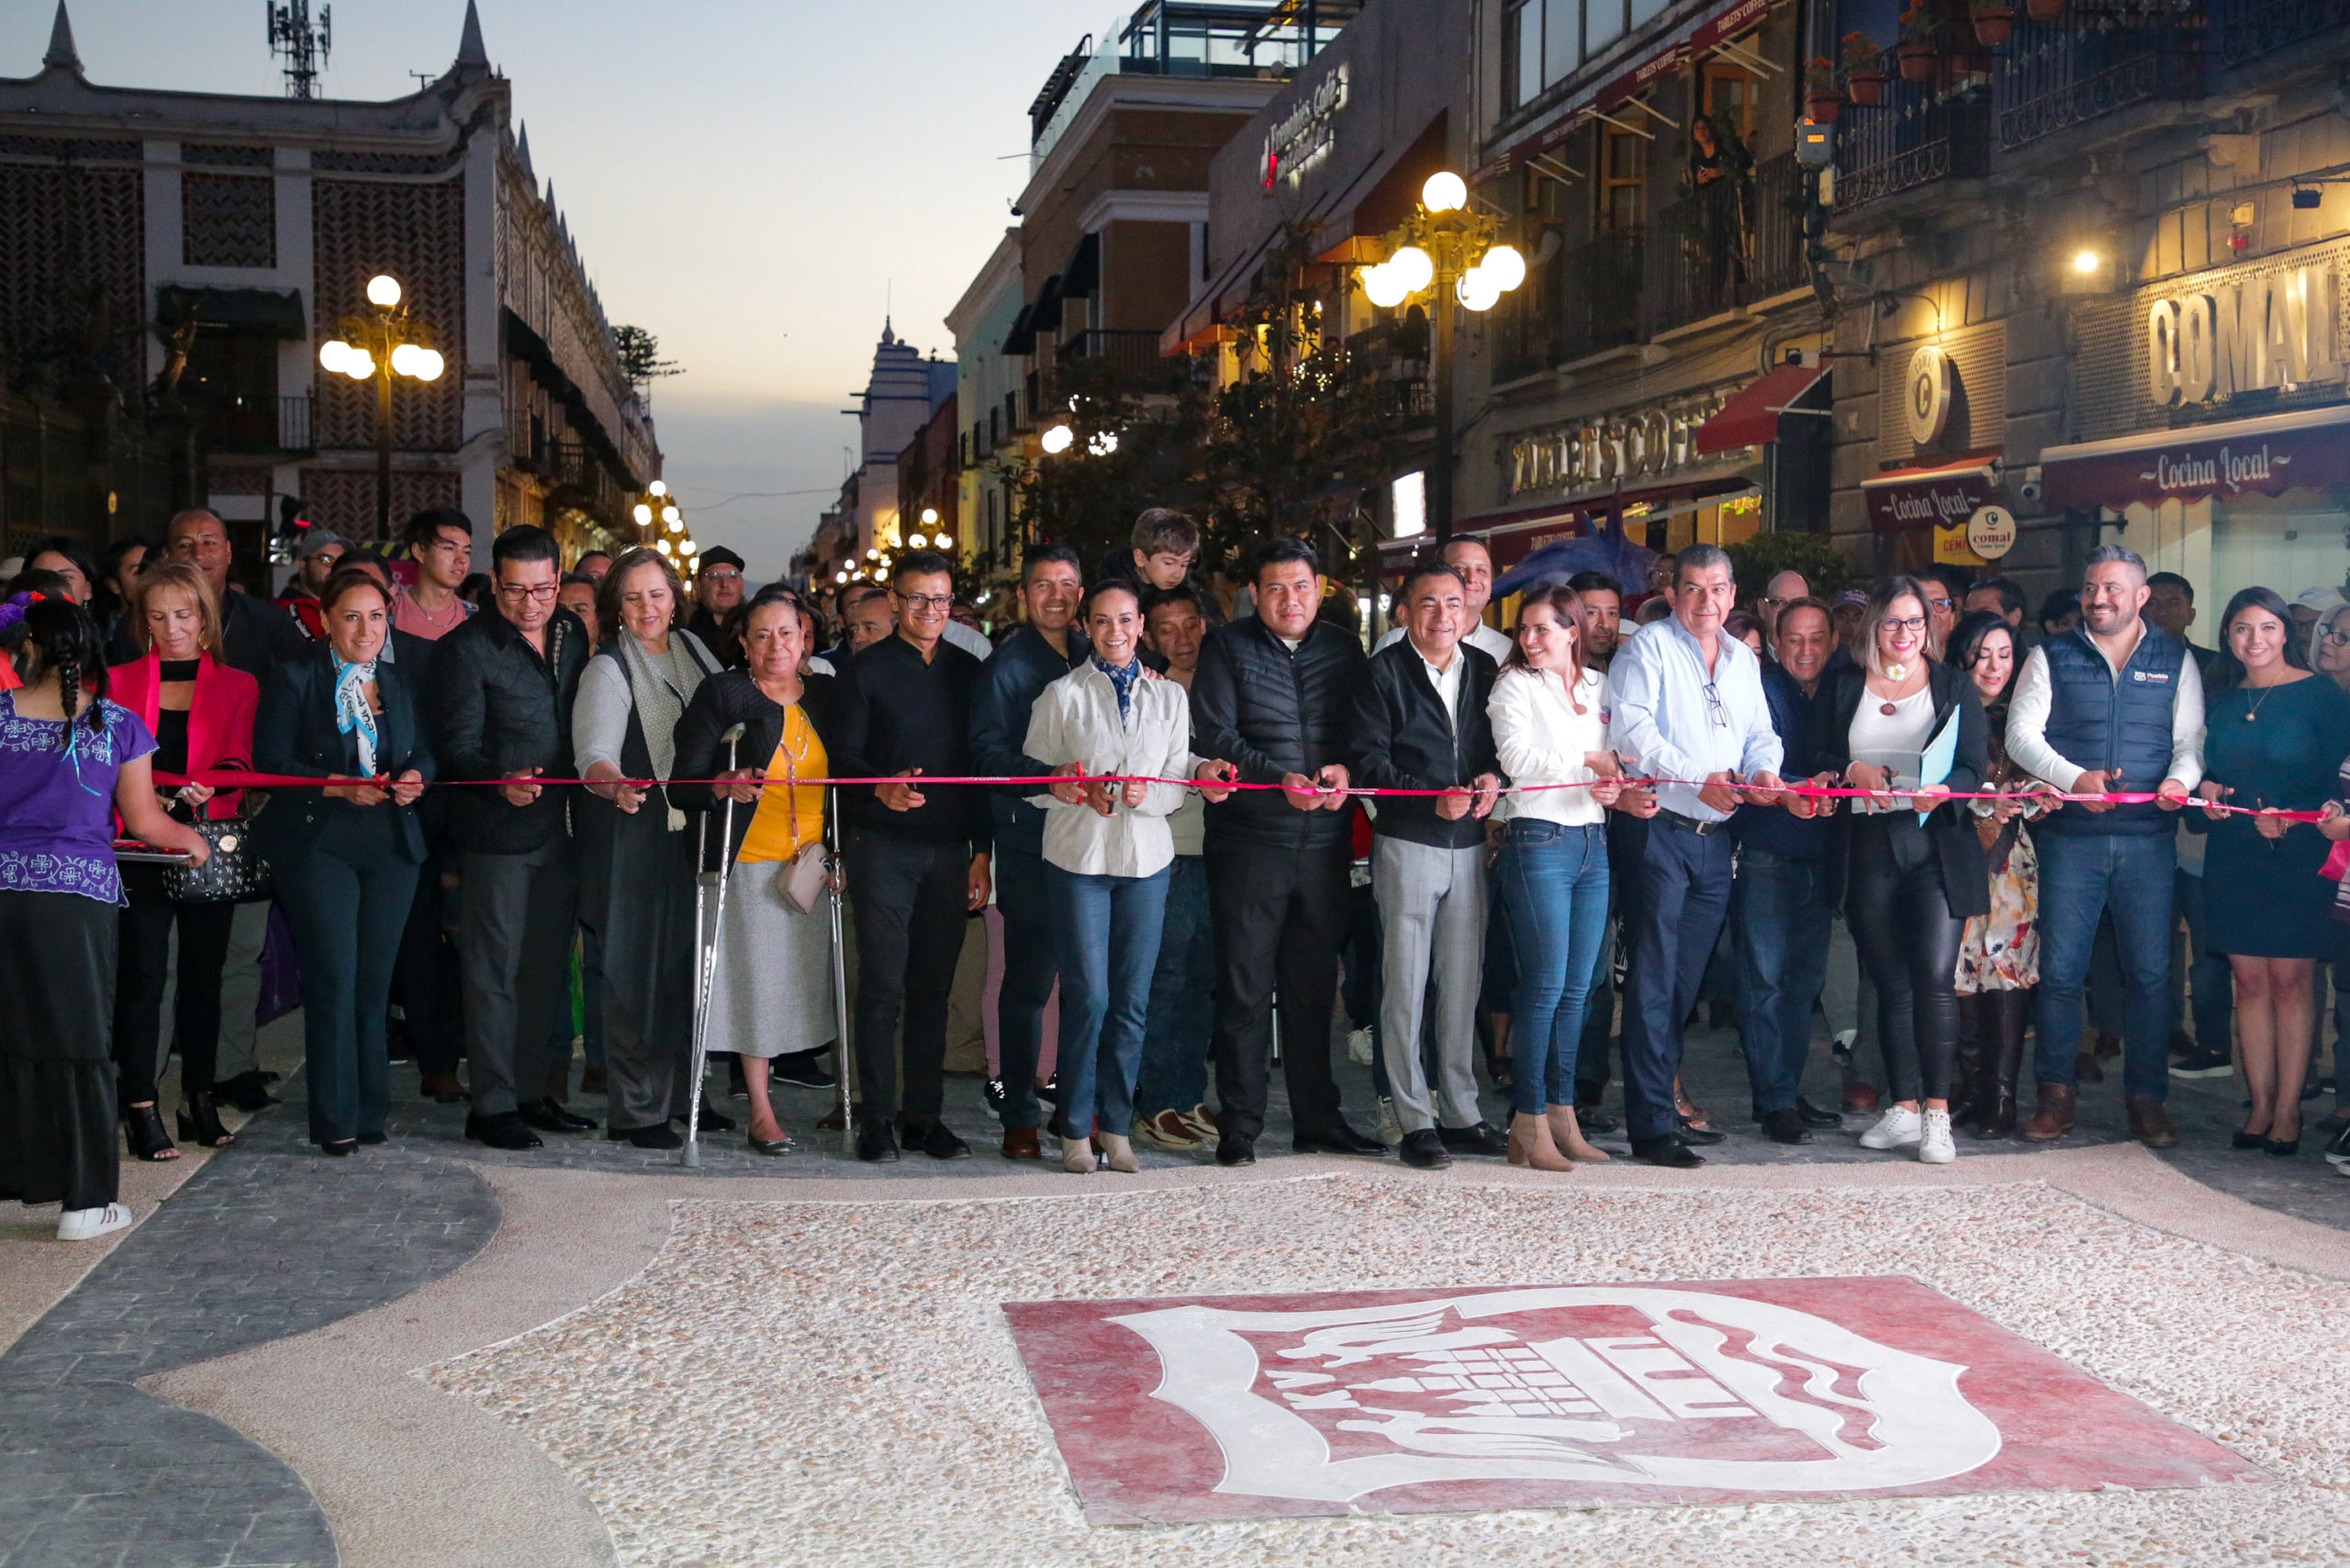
{"x": 2114, "y": 705}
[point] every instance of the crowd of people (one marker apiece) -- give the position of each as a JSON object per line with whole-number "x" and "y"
{"x": 1505, "y": 840}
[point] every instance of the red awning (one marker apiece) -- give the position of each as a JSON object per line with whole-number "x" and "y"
{"x": 1932, "y": 494}
{"x": 1751, "y": 418}
{"x": 2308, "y": 448}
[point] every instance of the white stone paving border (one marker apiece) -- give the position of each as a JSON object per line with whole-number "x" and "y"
{"x": 796, "y": 1381}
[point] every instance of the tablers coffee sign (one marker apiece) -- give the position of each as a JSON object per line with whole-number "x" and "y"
{"x": 1304, "y": 136}
{"x": 1646, "y": 443}
{"x": 2244, "y": 335}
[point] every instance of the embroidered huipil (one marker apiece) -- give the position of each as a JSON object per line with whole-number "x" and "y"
{"x": 57, "y": 805}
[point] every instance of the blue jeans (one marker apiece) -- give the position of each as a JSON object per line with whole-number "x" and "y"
{"x": 1108, "y": 935}
{"x": 1174, "y": 1074}
{"x": 1553, "y": 881}
{"x": 1673, "y": 908}
{"x": 1029, "y": 969}
{"x": 1781, "y": 923}
{"x": 2208, "y": 980}
{"x": 2081, "y": 876}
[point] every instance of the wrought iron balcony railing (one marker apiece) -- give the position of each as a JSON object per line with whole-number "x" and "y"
{"x": 1918, "y": 133}
{"x": 1729, "y": 243}
{"x": 2091, "y": 61}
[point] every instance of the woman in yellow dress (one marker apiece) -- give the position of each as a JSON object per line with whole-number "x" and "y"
{"x": 772, "y": 993}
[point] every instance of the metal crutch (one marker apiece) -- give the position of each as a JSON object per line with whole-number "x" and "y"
{"x": 704, "y": 880}
{"x": 840, "y": 981}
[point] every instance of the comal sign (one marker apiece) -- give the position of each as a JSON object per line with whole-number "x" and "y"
{"x": 2242, "y": 336}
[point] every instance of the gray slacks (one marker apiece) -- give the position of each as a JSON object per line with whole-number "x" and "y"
{"x": 1432, "y": 917}
{"x": 514, "y": 943}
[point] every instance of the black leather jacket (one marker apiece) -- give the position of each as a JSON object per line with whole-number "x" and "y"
{"x": 494, "y": 706}
{"x": 1270, "y": 711}
{"x": 1404, "y": 740}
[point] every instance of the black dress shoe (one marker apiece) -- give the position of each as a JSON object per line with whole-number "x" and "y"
{"x": 504, "y": 1131}
{"x": 1482, "y": 1138}
{"x": 935, "y": 1139}
{"x": 1424, "y": 1149}
{"x": 248, "y": 1092}
{"x": 876, "y": 1144}
{"x": 1667, "y": 1151}
{"x": 805, "y": 1068}
{"x": 1592, "y": 1119}
{"x": 1785, "y": 1126}
{"x": 1234, "y": 1149}
{"x": 1335, "y": 1138}
{"x": 340, "y": 1149}
{"x": 1690, "y": 1134}
{"x": 1812, "y": 1115}
{"x": 550, "y": 1117}
{"x": 660, "y": 1135}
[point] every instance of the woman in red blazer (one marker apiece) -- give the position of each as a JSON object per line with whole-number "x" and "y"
{"x": 201, "y": 713}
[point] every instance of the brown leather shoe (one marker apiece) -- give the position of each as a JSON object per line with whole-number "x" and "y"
{"x": 1020, "y": 1143}
{"x": 2149, "y": 1122}
{"x": 2053, "y": 1119}
{"x": 443, "y": 1087}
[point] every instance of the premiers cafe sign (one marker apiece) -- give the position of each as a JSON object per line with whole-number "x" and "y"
{"x": 1643, "y": 444}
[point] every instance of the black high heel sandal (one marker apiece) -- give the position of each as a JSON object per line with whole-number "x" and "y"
{"x": 142, "y": 1128}
{"x": 2242, "y": 1139}
{"x": 340, "y": 1148}
{"x": 200, "y": 1122}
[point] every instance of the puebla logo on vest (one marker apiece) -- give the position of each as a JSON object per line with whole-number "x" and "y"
{"x": 2152, "y": 677}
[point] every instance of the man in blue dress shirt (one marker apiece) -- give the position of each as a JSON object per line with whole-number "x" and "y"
{"x": 1684, "y": 702}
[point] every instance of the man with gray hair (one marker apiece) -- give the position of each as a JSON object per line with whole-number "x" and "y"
{"x": 2113, "y": 705}
{"x": 1683, "y": 702}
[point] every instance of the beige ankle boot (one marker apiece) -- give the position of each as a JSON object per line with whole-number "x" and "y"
{"x": 1077, "y": 1156}
{"x": 1566, "y": 1133}
{"x": 1120, "y": 1152}
{"x": 1530, "y": 1144}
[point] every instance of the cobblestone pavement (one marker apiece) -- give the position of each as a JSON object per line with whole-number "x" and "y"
{"x": 271, "y": 1240}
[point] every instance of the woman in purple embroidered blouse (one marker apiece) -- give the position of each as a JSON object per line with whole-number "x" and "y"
{"x": 64, "y": 772}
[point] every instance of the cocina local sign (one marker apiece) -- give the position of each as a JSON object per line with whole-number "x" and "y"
{"x": 2241, "y": 336}
{"x": 1642, "y": 444}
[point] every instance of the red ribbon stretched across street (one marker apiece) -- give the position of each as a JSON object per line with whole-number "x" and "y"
{"x": 231, "y": 780}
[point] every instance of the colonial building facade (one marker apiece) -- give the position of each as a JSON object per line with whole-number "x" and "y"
{"x": 194, "y": 251}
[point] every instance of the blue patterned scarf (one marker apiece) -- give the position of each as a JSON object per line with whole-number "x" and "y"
{"x": 352, "y": 715}
{"x": 1122, "y": 681}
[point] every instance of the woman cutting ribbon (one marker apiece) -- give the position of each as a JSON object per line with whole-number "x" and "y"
{"x": 344, "y": 857}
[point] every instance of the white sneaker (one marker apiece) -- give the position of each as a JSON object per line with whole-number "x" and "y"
{"x": 1935, "y": 1145}
{"x": 82, "y": 1225}
{"x": 1897, "y": 1128}
{"x": 1390, "y": 1127}
{"x": 1359, "y": 1047}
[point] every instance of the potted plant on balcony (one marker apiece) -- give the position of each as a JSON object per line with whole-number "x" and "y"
{"x": 2044, "y": 11}
{"x": 1863, "y": 71}
{"x": 1822, "y": 97}
{"x": 1920, "y": 43}
{"x": 1994, "y": 21}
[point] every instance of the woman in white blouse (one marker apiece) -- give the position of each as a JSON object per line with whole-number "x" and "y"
{"x": 1107, "y": 849}
{"x": 1549, "y": 729}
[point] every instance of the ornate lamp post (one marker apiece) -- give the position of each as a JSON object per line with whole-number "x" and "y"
{"x": 376, "y": 348}
{"x": 1452, "y": 255}
{"x": 657, "y": 514}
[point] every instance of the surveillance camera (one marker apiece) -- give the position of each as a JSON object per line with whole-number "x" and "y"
{"x": 2030, "y": 488}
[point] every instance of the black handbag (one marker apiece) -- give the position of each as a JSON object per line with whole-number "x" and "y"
{"x": 235, "y": 874}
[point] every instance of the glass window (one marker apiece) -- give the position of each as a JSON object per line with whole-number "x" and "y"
{"x": 1729, "y": 94}
{"x": 1522, "y": 52}
{"x": 1562, "y": 46}
{"x": 1623, "y": 162}
{"x": 1603, "y": 25}
{"x": 1648, "y": 10}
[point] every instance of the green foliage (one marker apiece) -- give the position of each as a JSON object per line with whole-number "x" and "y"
{"x": 640, "y": 354}
{"x": 1828, "y": 569}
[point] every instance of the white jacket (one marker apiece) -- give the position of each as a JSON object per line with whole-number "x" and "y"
{"x": 1076, "y": 720}
{"x": 1541, "y": 739}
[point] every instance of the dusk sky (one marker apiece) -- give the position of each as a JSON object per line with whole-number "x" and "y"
{"x": 754, "y": 183}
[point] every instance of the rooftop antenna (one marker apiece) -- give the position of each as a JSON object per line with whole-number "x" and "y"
{"x": 304, "y": 45}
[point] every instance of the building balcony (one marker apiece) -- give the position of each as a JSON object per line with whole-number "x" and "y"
{"x": 1727, "y": 244}
{"x": 1602, "y": 294}
{"x": 2092, "y": 62}
{"x": 2253, "y": 30}
{"x": 1919, "y": 133}
{"x": 259, "y": 425}
{"x": 1120, "y": 352}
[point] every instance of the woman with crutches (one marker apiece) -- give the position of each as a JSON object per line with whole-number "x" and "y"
{"x": 770, "y": 992}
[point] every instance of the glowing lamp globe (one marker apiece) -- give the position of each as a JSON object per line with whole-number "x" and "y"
{"x": 1383, "y": 287}
{"x": 384, "y": 290}
{"x": 1476, "y": 290}
{"x": 1505, "y": 266}
{"x": 1104, "y": 444}
{"x": 929, "y": 515}
{"x": 644, "y": 514}
{"x": 359, "y": 364}
{"x": 1414, "y": 267}
{"x": 1444, "y": 192}
{"x": 663, "y": 545}
{"x": 941, "y": 540}
{"x": 669, "y": 514}
{"x": 658, "y": 487}
{"x": 429, "y": 365}
{"x": 404, "y": 359}
{"x": 920, "y": 541}
{"x": 332, "y": 353}
{"x": 1057, "y": 440}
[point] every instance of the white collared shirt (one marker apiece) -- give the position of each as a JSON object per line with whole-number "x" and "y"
{"x": 1447, "y": 682}
{"x": 1490, "y": 640}
{"x": 2034, "y": 694}
{"x": 1541, "y": 739}
{"x": 1075, "y": 719}
{"x": 1675, "y": 720}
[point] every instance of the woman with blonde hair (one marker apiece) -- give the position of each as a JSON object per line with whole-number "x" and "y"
{"x": 200, "y": 712}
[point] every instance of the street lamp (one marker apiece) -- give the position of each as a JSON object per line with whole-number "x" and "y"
{"x": 378, "y": 347}
{"x": 1453, "y": 256}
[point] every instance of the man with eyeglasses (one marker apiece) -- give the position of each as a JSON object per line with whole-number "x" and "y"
{"x": 918, "y": 854}
{"x": 1945, "y": 591}
{"x": 1684, "y": 702}
{"x": 718, "y": 588}
{"x": 498, "y": 707}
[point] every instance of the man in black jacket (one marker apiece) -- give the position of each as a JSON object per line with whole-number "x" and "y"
{"x": 1271, "y": 698}
{"x": 1047, "y": 647}
{"x": 255, "y": 633}
{"x": 1420, "y": 723}
{"x": 917, "y": 854}
{"x": 498, "y": 707}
